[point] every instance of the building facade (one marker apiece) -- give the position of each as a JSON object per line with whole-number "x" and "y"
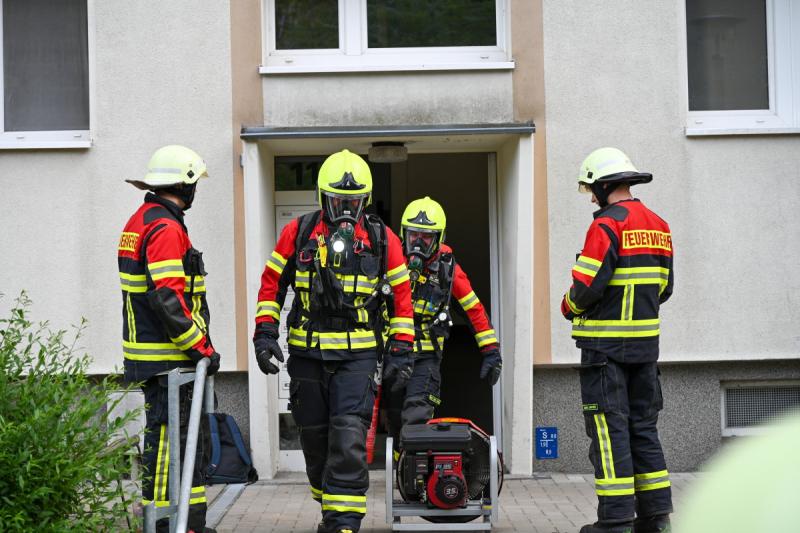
{"x": 496, "y": 107}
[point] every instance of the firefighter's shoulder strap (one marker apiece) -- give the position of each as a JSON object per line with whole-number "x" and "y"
{"x": 376, "y": 231}
{"x": 305, "y": 225}
{"x": 447, "y": 275}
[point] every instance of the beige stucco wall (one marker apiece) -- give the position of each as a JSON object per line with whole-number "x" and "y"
{"x": 367, "y": 99}
{"x": 161, "y": 76}
{"x": 614, "y": 76}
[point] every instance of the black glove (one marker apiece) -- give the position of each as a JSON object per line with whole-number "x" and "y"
{"x": 213, "y": 366}
{"x": 265, "y": 341}
{"x": 400, "y": 363}
{"x": 492, "y": 365}
{"x": 197, "y": 356}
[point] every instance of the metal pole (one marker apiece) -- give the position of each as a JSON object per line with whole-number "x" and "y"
{"x": 493, "y": 488}
{"x": 208, "y": 397}
{"x": 174, "y": 429}
{"x": 389, "y": 479}
{"x": 149, "y": 511}
{"x": 191, "y": 445}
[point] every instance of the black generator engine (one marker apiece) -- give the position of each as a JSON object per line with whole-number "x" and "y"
{"x": 444, "y": 463}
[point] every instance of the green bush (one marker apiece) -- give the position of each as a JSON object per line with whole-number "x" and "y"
{"x": 56, "y": 472}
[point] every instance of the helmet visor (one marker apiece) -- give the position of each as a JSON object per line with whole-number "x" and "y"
{"x": 421, "y": 241}
{"x": 344, "y": 207}
{"x": 584, "y": 188}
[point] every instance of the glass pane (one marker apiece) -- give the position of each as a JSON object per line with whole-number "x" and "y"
{"x": 727, "y": 52}
{"x": 412, "y": 23}
{"x": 46, "y": 65}
{"x": 306, "y": 24}
{"x": 297, "y": 173}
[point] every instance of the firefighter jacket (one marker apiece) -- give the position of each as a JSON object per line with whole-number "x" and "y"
{"x": 620, "y": 278}
{"x": 432, "y": 290}
{"x": 164, "y": 309}
{"x": 336, "y": 312}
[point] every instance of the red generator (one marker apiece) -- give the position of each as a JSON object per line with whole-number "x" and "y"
{"x": 449, "y": 470}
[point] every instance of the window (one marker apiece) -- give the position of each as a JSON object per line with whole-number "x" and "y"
{"x": 743, "y": 59}
{"x": 382, "y": 35}
{"x": 45, "y": 74}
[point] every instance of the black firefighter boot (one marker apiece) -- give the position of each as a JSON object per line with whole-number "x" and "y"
{"x": 598, "y": 527}
{"x": 652, "y": 524}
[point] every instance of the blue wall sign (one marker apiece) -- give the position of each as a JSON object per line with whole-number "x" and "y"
{"x": 546, "y": 443}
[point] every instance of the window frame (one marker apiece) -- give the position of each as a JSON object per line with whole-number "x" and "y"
{"x": 50, "y": 139}
{"x": 354, "y": 55}
{"x": 783, "y": 73}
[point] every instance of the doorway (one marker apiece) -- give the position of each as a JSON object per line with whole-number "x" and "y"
{"x": 440, "y": 159}
{"x": 460, "y": 182}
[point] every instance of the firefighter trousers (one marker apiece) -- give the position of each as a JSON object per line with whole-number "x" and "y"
{"x": 415, "y": 403}
{"x": 331, "y": 402}
{"x": 155, "y": 460}
{"x": 621, "y": 402}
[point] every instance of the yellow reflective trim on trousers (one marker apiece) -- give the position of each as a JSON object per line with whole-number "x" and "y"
{"x": 344, "y": 503}
{"x": 604, "y": 444}
{"x": 162, "y": 466}
{"x": 344, "y": 508}
{"x": 345, "y": 498}
{"x": 651, "y": 475}
{"x": 653, "y": 486}
{"x": 199, "y": 494}
{"x": 614, "y": 492}
{"x": 622, "y": 486}
{"x": 652, "y": 480}
{"x": 131, "y": 319}
{"x": 315, "y": 493}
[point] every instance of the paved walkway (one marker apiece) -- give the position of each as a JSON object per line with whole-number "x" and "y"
{"x": 546, "y": 503}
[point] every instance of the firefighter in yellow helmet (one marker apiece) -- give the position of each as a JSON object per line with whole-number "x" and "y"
{"x": 620, "y": 279}
{"x": 165, "y": 313}
{"x": 341, "y": 264}
{"x": 414, "y": 380}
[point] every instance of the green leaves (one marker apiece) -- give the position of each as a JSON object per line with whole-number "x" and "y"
{"x": 56, "y": 470}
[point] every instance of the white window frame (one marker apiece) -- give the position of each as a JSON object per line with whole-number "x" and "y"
{"x": 783, "y": 74}
{"x": 20, "y": 140}
{"x": 353, "y": 54}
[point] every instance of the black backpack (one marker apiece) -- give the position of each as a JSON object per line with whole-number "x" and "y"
{"x": 226, "y": 458}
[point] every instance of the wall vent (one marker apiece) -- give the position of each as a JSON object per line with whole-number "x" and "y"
{"x": 748, "y": 405}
